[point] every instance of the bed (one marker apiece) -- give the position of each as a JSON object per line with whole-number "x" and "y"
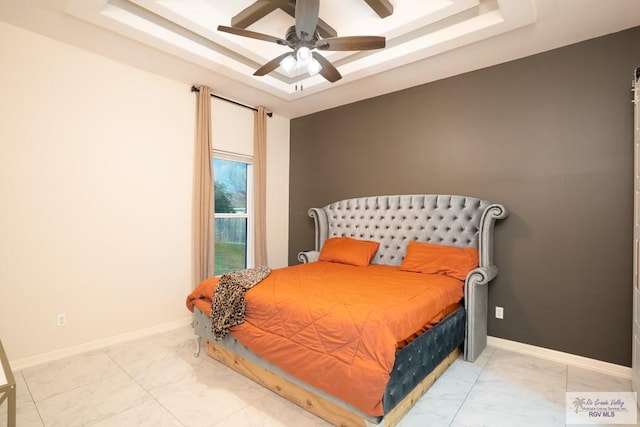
{"x": 372, "y": 249}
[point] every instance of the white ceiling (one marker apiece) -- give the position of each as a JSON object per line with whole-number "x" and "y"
{"x": 426, "y": 40}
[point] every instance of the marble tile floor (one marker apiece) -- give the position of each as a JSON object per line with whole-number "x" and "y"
{"x": 157, "y": 382}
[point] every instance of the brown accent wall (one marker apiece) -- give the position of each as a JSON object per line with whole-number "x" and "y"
{"x": 550, "y": 136}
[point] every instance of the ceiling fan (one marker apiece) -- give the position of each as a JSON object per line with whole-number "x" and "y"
{"x": 304, "y": 39}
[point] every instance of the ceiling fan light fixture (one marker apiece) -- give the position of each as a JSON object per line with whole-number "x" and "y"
{"x": 304, "y": 55}
{"x": 289, "y": 64}
{"x": 313, "y": 67}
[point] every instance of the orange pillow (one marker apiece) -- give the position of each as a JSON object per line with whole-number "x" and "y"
{"x": 346, "y": 250}
{"x": 439, "y": 259}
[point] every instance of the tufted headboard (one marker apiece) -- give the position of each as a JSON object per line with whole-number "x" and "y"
{"x": 444, "y": 219}
{"x": 395, "y": 220}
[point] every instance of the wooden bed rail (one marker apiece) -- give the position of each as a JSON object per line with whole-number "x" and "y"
{"x": 324, "y": 408}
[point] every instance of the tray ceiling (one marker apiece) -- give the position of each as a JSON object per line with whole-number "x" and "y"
{"x": 416, "y": 29}
{"x": 426, "y": 40}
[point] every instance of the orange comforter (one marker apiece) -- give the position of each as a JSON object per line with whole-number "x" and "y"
{"x": 336, "y": 326}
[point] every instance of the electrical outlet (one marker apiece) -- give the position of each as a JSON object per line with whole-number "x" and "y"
{"x": 499, "y": 312}
{"x": 61, "y": 320}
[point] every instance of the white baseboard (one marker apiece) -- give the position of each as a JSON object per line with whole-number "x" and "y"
{"x": 558, "y": 356}
{"x": 17, "y": 365}
{"x": 531, "y": 350}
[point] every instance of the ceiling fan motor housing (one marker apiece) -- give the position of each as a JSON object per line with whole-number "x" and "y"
{"x": 295, "y": 42}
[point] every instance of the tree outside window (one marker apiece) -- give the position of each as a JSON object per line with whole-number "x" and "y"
{"x": 232, "y": 222}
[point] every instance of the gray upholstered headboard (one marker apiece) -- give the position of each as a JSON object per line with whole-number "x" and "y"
{"x": 444, "y": 219}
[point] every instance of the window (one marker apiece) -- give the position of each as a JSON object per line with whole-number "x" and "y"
{"x": 232, "y": 182}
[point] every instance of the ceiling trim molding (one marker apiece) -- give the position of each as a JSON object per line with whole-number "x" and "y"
{"x": 174, "y": 27}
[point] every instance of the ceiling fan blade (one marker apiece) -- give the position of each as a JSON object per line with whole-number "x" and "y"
{"x": 383, "y": 8}
{"x": 271, "y": 65}
{"x": 328, "y": 71}
{"x": 255, "y": 12}
{"x": 252, "y": 34}
{"x": 324, "y": 29}
{"x": 351, "y": 43}
{"x": 307, "y": 18}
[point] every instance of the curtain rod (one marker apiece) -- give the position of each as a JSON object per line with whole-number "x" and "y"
{"x": 195, "y": 89}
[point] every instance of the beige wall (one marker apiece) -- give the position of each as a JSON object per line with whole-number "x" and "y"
{"x": 96, "y": 166}
{"x": 278, "y": 191}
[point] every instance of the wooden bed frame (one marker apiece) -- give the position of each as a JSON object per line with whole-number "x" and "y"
{"x": 316, "y": 403}
{"x": 393, "y": 221}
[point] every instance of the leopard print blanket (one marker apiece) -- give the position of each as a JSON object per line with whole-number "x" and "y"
{"x": 228, "y": 306}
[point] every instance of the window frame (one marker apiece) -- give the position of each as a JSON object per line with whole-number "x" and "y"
{"x": 249, "y": 214}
